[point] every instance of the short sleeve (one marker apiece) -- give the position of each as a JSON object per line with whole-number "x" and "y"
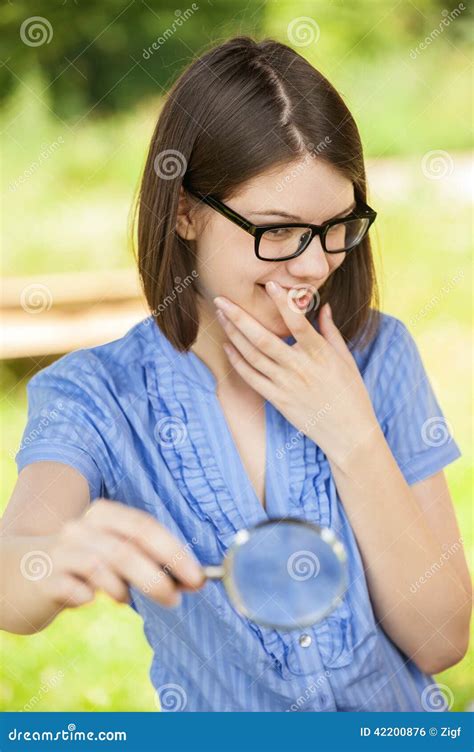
{"x": 419, "y": 435}
{"x": 63, "y": 423}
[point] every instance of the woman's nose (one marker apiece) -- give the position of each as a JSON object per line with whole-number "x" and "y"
{"x": 312, "y": 263}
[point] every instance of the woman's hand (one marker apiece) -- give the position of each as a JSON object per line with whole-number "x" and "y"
{"x": 315, "y": 383}
{"x": 111, "y": 547}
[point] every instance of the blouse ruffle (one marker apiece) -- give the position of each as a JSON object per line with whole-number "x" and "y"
{"x": 199, "y": 479}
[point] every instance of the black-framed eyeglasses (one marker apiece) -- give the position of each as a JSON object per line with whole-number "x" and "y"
{"x": 283, "y": 241}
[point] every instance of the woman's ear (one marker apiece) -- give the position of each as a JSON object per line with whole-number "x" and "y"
{"x": 185, "y": 219}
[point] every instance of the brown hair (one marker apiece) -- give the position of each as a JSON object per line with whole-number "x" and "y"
{"x": 238, "y": 110}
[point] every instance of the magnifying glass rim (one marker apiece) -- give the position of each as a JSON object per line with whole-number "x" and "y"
{"x": 325, "y": 533}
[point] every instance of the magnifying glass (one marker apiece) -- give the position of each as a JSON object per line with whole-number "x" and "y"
{"x": 284, "y": 573}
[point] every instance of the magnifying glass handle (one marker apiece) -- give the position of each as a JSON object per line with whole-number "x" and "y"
{"x": 213, "y": 572}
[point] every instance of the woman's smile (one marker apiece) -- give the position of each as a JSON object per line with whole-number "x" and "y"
{"x": 300, "y": 295}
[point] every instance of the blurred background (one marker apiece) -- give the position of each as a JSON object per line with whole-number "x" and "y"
{"x": 81, "y": 85}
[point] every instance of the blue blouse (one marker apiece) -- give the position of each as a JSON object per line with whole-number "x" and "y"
{"x": 143, "y": 424}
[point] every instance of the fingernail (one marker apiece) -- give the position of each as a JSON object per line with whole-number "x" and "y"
{"x": 195, "y": 574}
{"x": 328, "y": 311}
{"x": 272, "y": 287}
{"x": 223, "y": 303}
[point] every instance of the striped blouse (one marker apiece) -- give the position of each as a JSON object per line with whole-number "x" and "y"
{"x": 143, "y": 424}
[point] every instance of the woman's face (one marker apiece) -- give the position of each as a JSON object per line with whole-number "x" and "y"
{"x": 304, "y": 191}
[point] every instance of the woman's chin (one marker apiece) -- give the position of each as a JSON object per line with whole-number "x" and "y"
{"x": 264, "y": 311}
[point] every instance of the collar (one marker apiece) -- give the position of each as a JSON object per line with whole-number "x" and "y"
{"x": 188, "y": 364}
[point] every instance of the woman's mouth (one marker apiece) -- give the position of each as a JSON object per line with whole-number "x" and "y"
{"x": 300, "y": 297}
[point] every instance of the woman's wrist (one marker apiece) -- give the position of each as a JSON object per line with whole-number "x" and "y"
{"x": 354, "y": 458}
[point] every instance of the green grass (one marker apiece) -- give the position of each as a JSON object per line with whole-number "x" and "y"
{"x": 93, "y": 658}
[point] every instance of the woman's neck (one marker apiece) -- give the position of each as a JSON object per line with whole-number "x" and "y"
{"x": 209, "y": 348}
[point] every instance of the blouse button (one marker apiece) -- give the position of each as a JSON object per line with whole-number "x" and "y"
{"x": 305, "y": 640}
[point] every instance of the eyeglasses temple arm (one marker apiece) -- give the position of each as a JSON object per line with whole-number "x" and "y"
{"x": 226, "y": 211}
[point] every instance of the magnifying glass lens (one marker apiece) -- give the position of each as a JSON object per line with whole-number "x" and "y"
{"x": 288, "y": 574}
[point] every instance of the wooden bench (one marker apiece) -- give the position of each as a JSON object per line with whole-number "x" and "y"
{"x": 54, "y": 314}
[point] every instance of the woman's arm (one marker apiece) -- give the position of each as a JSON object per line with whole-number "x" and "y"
{"x": 38, "y": 508}
{"x": 316, "y": 384}
{"x": 53, "y": 556}
{"x": 403, "y": 533}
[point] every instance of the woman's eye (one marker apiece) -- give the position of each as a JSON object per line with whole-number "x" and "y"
{"x": 278, "y": 233}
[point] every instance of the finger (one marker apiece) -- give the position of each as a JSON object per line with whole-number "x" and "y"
{"x": 72, "y": 591}
{"x": 332, "y": 334}
{"x": 158, "y": 586}
{"x": 249, "y": 351}
{"x": 104, "y": 578}
{"x": 126, "y": 560}
{"x": 302, "y": 330}
{"x": 254, "y": 378}
{"x": 157, "y": 542}
{"x": 267, "y": 342}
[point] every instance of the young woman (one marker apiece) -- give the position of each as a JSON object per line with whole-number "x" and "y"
{"x": 264, "y": 384}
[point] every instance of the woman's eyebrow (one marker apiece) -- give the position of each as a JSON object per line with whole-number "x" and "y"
{"x": 281, "y": 213}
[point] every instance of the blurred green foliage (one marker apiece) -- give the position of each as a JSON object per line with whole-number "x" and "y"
{"x": 72, "y": 166}
{"x": 77, "y": 115}
{"x": 94, "y": 59}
